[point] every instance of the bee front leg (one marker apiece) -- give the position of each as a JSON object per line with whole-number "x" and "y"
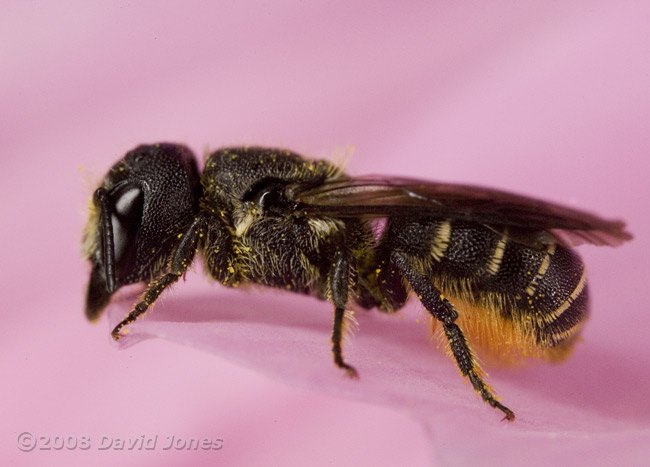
{"x": 442, "y": 310}
{"x": 183, "y": 257}
{"x": 339, "y": 282}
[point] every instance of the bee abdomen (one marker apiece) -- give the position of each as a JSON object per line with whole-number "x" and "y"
{"x": 557, "y": 297}
{"x": 541, "y": 291}
{"x": 545, "y": 288}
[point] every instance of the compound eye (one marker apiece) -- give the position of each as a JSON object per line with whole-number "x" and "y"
{"x": 128, "y": 205}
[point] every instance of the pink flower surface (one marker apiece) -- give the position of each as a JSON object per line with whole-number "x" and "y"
{"x": 549, "y": 99}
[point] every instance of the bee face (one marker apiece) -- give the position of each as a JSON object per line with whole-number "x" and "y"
{"x": 146, "y": 197}
{"x": 488, "y": 265}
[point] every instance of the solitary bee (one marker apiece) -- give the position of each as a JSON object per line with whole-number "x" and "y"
{"x": 493, "y": 268}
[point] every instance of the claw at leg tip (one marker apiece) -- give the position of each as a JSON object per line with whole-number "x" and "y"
{"x": 351, "y": 373}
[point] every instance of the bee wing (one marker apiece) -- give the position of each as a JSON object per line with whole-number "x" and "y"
{"x": 377, "y": 197}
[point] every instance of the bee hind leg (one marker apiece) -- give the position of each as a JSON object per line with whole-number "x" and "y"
{"x": 468, "y": 367}
{"x": 183, "y": 257}
{"x": 339, "y": 281}
{"x": 442, "y": 310}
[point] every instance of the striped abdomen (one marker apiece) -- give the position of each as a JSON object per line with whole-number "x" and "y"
{"x": 512, "y": 297}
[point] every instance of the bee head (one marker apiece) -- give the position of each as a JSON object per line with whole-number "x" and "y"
{"x": 137, "y": 213}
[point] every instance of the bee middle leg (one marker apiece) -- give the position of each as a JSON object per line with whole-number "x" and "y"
{"x": 183, "y": 257}
{"x": 442, "y": 310}
{"x": 339, "y": 282}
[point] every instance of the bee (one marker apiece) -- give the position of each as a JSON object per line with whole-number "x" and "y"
{"x": 494, "y": 269}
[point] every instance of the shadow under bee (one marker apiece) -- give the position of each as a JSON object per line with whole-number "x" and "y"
{"x": 224, "y": 323}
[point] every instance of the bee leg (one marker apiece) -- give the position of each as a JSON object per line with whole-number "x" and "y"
{"x": 339, "y": 281}
{"x": 183, "y": 257}
{"x": 442, "y": 310}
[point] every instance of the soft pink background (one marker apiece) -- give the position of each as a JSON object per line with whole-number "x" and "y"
{"x": 545, "y": 98}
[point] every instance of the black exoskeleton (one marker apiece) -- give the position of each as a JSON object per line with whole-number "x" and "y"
{"x": 486, "y": 264}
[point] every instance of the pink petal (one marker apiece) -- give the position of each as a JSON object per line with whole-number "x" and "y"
{"x": 544, "y": 98}
{"x": 574, "y": 406}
